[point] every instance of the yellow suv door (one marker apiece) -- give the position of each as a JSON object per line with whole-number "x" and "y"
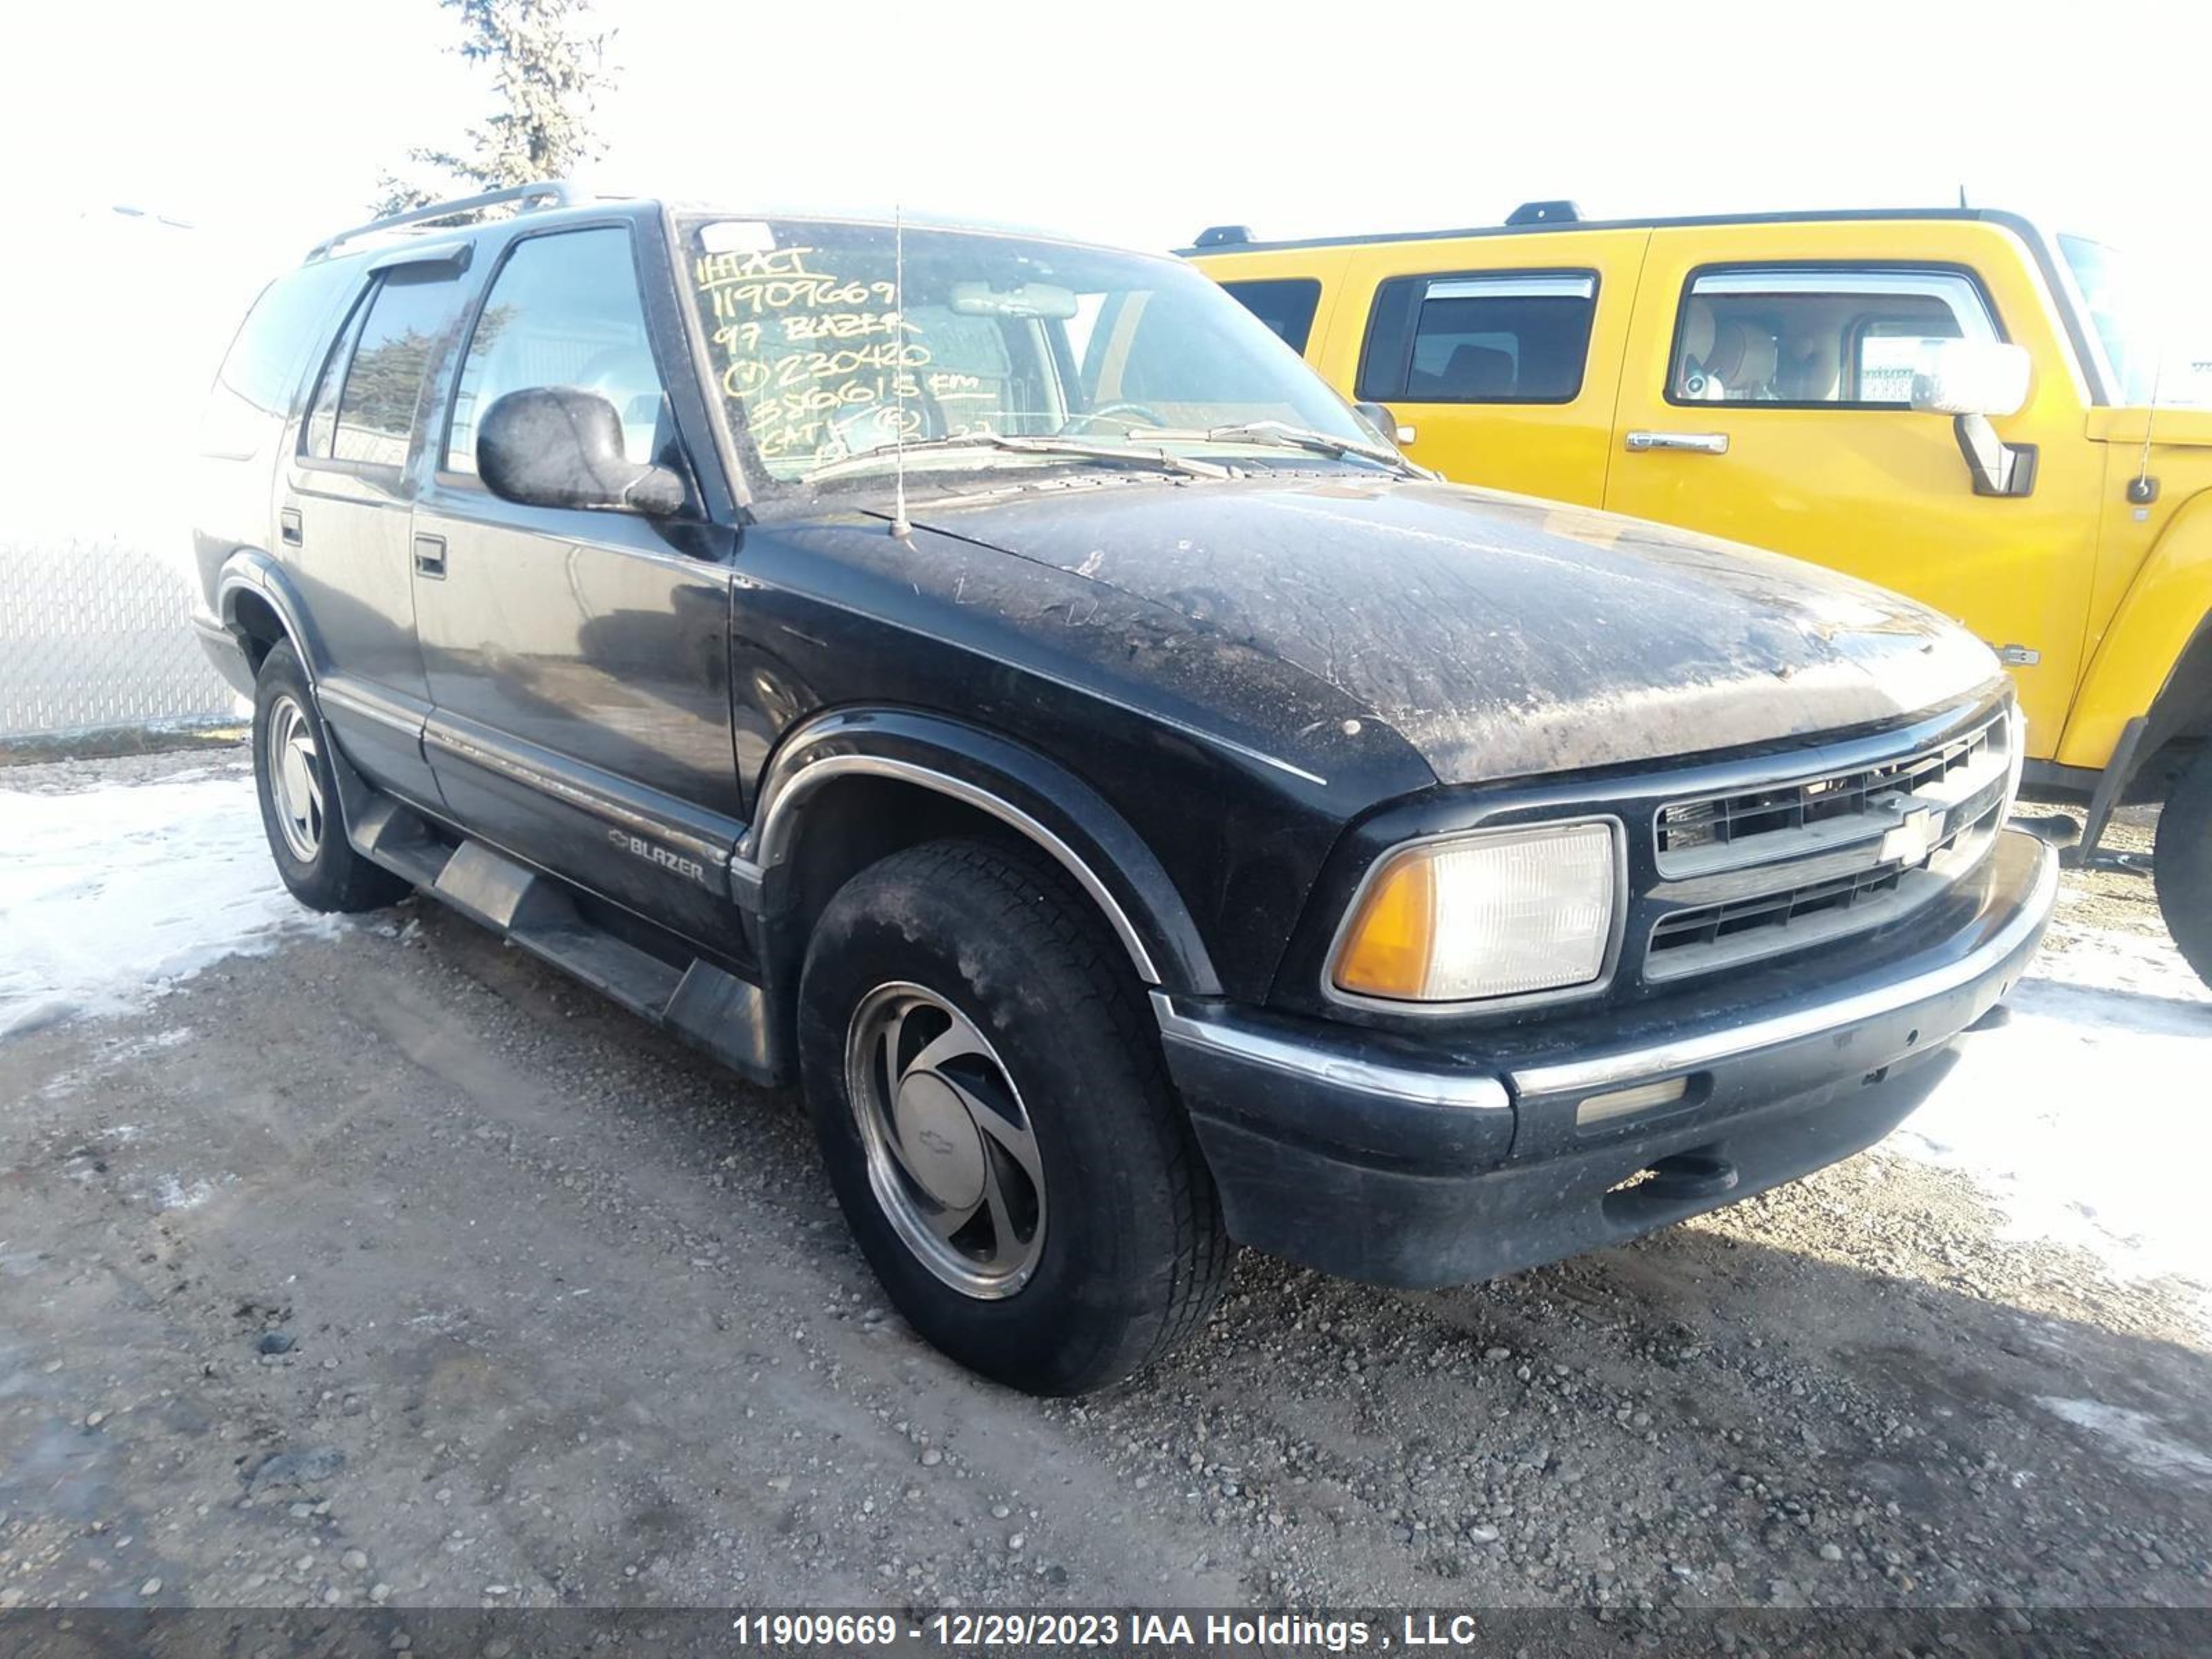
{"x": 1499, "y": 352}
{"x": 1766, "y": 395}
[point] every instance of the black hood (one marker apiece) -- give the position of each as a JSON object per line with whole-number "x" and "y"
{"x": 1504, "y": 636}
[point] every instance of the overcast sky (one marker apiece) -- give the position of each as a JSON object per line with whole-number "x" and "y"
{"x": 1138, "y": 123}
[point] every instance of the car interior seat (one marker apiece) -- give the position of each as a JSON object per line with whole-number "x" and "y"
{"x": 1724, "y": 359}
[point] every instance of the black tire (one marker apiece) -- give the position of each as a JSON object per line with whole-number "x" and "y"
{"x": 1129, "y": 1250}
{"x": 2181, "y": 863}
{"x": 323, "y": 872}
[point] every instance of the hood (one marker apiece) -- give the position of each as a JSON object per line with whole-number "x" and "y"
{"x": 1503, "y": 636}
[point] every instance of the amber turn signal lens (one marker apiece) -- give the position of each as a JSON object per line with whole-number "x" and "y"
{"x": 1388, "y": 950}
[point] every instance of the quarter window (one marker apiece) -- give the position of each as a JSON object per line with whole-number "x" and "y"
{"x": 1286, "y": 305}
{"x": 563, "y": 312}
{"x": 1484, "y": 338}
{"x": 1853, "y": 338}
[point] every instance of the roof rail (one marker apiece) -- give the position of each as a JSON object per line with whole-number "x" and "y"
{"x": 1223, "y": 235}
{"x": 528, "y": 198}
{"x": 1544, "y": 213}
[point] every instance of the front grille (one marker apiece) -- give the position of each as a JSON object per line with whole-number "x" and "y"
{"x": 1760, "y": 870}
{"x": 1690, "y": 832}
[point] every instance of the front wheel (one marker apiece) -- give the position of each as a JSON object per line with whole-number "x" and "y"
{"x": 2181, "y": 863}
{"x": 997, "y": 1120}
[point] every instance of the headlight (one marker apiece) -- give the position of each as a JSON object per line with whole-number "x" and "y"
{"x": 1486, "y": 914}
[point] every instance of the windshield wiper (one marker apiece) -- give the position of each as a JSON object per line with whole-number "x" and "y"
{"x": 884, "y": 454}
{"x": 1278, "y": 435}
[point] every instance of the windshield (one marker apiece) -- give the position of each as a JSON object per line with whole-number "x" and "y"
{"x": 1073, "y": 355}
{"x": 2131, "y": 327}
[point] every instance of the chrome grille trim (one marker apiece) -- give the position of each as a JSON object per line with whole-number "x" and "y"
{"x": 1759, "y": 871}
{"x": 1817, "y": 813}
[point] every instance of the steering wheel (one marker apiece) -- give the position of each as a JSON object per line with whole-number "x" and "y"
{"x": 1145, "y": 413}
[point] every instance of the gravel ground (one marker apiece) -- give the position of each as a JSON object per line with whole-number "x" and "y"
{"x": 391, "y": 1267}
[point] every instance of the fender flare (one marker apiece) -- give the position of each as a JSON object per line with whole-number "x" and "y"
{"x": 1033, "y": 794}
{"x": 251, "y": 571}
{"x": 2163, "y": 611}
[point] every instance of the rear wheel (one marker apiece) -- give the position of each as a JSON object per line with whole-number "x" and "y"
{"x": 291, "y": 772}
{"x": 987, "y": 1088}
{"x": 2181, "y": 862}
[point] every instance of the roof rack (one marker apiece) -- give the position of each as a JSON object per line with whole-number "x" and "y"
{"x": 1223, "y": 235}
{"x": 528, "y": 198}
{"x": 1544, "y": 213}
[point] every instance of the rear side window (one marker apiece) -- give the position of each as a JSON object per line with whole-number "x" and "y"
{"x": 1803, "y": 337}
{"x": 253, "y": 391}
{"x": 563, "y": 311}
{"x": 1480, "y": 337}
{"x": 372, "y": 386}
{"x": 1285, "y": 304}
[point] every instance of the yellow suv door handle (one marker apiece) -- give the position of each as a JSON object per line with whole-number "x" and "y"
{"x": 1695, "y": 443}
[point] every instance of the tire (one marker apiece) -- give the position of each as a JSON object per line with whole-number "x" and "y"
{"x": 300, "y": 809}
{"x": 990, "y": 989}
{"x": 2181, "y": 863}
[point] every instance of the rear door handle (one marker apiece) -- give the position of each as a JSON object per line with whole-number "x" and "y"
{"x": 288, "y": 526}
{"x": 1694, "y": 443}
{"x": 430, "y": 555}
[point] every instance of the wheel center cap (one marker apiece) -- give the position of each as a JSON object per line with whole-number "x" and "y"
{"x": 943, "y": 1148}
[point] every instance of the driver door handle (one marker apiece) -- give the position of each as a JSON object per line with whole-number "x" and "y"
{"x": 1693, "y": 443}
{"x": 430, "y": 555}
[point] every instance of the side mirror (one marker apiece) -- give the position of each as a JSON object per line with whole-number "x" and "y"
{"x": 1971, "y": 380}
{"x": 1385, "y": 425}
{"x": 563, "y": 447}
{"x": 1972, "y": 377}
{"x": 1996, "y": 467}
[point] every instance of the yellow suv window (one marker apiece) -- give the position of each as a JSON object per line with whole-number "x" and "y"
{"x": 1480, "y": 337}
{"x": 1285, "y": 304}
{"x": 1801, "y": 335}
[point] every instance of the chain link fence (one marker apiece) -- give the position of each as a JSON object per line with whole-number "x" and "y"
{"x": 95, "y": 633}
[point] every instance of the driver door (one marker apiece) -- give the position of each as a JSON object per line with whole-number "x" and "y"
{"x": 579, "y": 661}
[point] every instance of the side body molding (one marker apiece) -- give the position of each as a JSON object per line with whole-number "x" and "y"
{"x": 1034, "y": 795}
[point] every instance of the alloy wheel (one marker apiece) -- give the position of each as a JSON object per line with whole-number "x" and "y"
{"x": 295, "y": 778}
{"x": 951, "y": 1150}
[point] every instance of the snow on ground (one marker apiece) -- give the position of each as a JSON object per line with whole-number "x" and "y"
{"x": 110, "y": 893}
{"x": 2089, "y": 1119}
{"x": 2134, "y": 1435}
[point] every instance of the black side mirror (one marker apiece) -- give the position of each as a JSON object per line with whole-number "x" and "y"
{"x": 563, "y": 447}
{"x": 1996, "y": 467}
{"x": 1384, "y": 423}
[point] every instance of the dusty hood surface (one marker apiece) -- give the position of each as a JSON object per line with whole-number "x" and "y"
{"x": 1504, "y": 636}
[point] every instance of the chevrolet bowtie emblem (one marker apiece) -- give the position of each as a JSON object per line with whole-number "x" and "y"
{"x": 1914, "y": 837}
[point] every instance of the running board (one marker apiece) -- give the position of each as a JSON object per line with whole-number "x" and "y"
{"x": 707, "y": 1007}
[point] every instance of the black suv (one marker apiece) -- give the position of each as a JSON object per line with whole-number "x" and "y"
{"x": 990, "y": 680}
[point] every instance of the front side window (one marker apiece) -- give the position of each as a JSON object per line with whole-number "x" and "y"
{"x": 563, "y": 311}
{"x": 372, "y": 386}
{"x": 1503, "y": 337}
{"x": 1797, "y": 336}
{"x": 1285, "y": 304}
{"x": 999, "y": 351}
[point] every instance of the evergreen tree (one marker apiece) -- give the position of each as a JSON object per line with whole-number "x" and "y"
{"x": 548, "y": 65}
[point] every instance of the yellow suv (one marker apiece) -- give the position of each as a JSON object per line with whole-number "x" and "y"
{"x": 1952, "y": 402}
